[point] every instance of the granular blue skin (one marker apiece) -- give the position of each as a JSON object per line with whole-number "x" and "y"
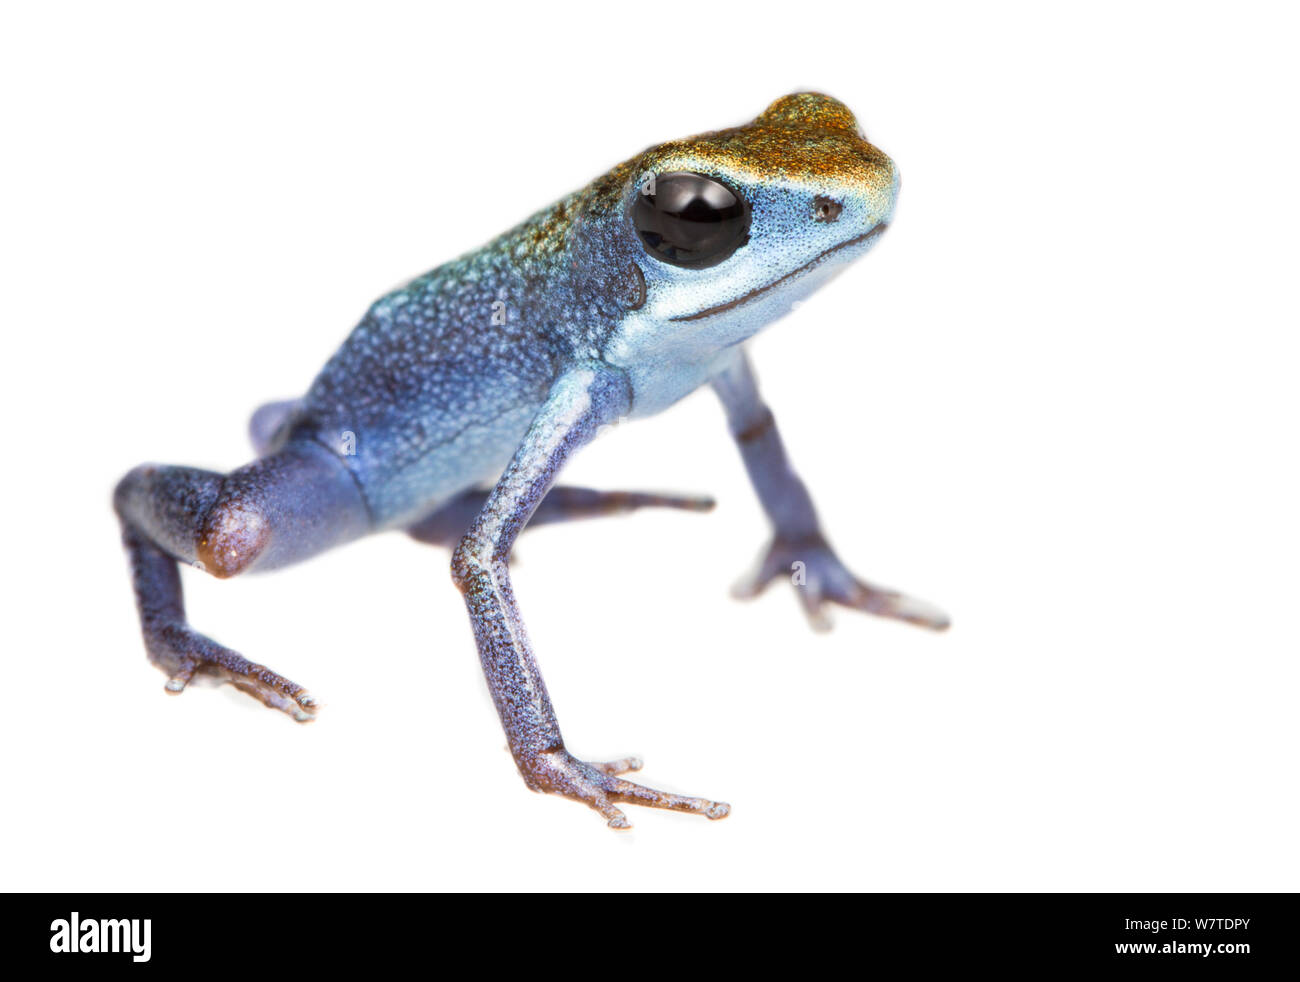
{"x": 440, "y": 380}
{"x": 452, "y": 407}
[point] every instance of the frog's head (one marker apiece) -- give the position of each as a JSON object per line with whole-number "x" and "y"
{"x": 729, "y": 229}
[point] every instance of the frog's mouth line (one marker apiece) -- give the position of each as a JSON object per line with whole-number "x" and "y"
{"x": 759, "y": 291}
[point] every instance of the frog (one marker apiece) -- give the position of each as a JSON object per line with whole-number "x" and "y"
{"x": 451, "y": 408}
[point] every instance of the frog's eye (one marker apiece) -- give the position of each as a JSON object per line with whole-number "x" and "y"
{"x": 690, "y": 220}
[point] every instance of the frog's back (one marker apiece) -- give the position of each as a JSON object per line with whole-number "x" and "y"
{"x": 434, "y": 388}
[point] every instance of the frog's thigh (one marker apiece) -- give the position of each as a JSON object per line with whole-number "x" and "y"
{"x": 278, "y": 510}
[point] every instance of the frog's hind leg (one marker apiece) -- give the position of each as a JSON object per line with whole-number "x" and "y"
{"x": 563, "y": 504}
{"x": 277, "y": 510}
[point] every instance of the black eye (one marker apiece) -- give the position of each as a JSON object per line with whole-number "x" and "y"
{"x": 690, "y": 220}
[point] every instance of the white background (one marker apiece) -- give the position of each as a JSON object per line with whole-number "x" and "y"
{"x": 1059, "y": 400}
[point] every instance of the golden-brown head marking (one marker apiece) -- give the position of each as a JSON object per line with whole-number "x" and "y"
{"x": 805, "y": 136}
{"x": 809, "y": 110}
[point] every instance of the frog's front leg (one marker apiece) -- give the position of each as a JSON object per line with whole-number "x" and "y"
{"x": 799, "y": 549}
{"x": 586, "y": 397}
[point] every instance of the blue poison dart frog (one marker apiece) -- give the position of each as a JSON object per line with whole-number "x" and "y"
{"x": 452, "y": 407}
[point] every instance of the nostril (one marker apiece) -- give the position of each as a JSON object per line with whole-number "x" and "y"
{"x": 826, "y": 209}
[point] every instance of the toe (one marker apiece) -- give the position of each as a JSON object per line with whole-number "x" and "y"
{"x": 613, "y": 815}
{"x": 682, "y": 502}
{"x": 752, "y": 583}
{"x": 181, "y": 678}
{"x": 921, "y": 612}
{"x": 814, "y": 608}
{"x": 636, "y": 794}
{"x": 890, "y": 603}
{"x": 621, "y": 766}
